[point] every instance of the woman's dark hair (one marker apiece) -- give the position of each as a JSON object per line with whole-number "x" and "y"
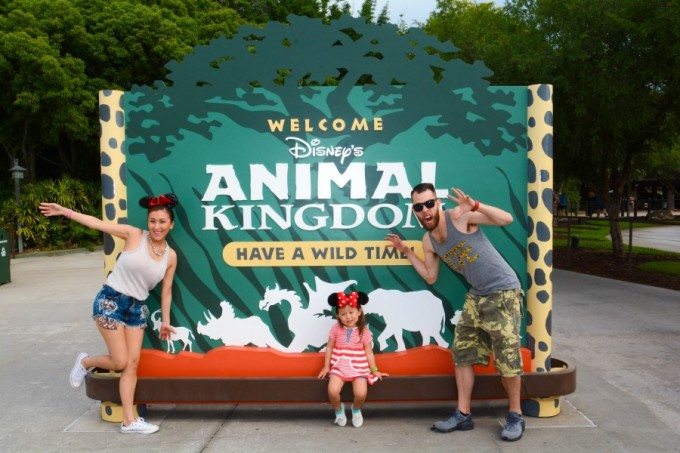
{"x": 361, "y": 298}
{"x": 166, "y": 201}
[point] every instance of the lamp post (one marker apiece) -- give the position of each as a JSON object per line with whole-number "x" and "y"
{"x": 18, "y": 174}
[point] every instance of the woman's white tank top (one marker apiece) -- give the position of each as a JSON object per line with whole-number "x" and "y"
{"x": 136, "y": 272}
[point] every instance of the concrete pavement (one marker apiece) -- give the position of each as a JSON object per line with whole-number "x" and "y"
{"x": 661, "y": 238}
{"x": 623, "y": 338}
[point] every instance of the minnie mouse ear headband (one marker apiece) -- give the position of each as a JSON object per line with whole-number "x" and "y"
{"x": 353, "y": 299}
{"x": 168, "y": 200}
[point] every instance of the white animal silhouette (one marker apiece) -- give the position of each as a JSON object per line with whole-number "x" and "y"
{"x": 414, "y": 311}
{"x": 309, "y": 325}
{"x": 180, "y": 334}
{"x": 235, "y": 331}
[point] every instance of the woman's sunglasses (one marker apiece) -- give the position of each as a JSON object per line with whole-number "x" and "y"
{"x": 429, "y": 204}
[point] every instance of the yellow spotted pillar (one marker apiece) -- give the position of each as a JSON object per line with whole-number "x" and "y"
{"x": 114, "y": 191}
{"x": 539, "y": 245}
{"x": 114, "y": 197}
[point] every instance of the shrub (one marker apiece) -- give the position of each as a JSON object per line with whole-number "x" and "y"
{"x": 40, "y": 232}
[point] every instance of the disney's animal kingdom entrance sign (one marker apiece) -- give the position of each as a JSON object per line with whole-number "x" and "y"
{"x": 293, "y": 149}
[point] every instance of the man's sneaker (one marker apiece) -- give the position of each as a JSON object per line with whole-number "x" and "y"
{"x": 357, "y": 418}
{"x": 514, "y": 427}
{"x": 340, "y": 417}
{"x": 78, "y": 372}
{"x": 139, "y": 426}
{"x": 456, "y": 422}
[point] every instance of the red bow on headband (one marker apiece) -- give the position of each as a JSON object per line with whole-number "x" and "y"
{"x": 352, "y": 299}
{"x": 161, "y": 200}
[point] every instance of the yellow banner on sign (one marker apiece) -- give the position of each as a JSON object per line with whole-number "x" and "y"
{"x": 317, "y": 253}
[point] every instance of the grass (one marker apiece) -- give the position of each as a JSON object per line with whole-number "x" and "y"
{"x": 593, "y": 234}
{"x": 661, "y": 267}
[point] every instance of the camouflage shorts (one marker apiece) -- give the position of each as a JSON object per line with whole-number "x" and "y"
{"x": 490, "y": 324}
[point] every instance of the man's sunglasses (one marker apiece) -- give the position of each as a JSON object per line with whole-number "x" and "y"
{"x": 429, "y": 204}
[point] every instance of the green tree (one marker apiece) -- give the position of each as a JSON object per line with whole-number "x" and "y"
{"x": 384, "y": 16}
{"x": 333, "y": 9}
{"x": 614, "y": 65}
{"x": 367, "y": 10}
{"x": 260, "y": 11}
{"x": 55, "y": 55}
{"x": 510, "y": 47}
{"x": 41, "y": 232}
{"x": 44, "y": 93}
{"x": 663, "y": 164}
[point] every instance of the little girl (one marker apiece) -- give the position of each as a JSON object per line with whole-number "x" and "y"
{"x": 349, "y": 355}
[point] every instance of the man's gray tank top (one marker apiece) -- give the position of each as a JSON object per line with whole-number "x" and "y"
{"x": 475, "y": 258}
{"x": 136, "y": 273}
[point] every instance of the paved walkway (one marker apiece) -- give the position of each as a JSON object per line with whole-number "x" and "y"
{"x": 660, "y": 238}
{"x": 623, "y": 338}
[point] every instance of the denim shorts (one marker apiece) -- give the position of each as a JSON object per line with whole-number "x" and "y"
{"x": 111, "y": 309}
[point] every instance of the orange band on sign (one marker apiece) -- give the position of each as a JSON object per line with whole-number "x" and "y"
{"x": 317, "y": 253}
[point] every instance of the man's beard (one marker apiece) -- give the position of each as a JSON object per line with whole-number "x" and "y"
{"x": 433, "y": 222}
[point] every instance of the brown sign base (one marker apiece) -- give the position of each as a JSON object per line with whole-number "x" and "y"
{"x": 104, "y": 387}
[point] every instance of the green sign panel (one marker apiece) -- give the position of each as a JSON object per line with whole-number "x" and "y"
{"x": 293, "y": 150}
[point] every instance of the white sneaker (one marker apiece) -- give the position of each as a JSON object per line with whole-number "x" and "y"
{"x": 340, "y": 417}
{"x": 78, "y": 372}
{"x": 139, "y": 426}
{"x": 357, "y": 417}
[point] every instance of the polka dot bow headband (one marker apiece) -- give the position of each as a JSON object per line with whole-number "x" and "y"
{"x": 167, "y": 200}
{"x": 160, "y": 200}
{"x": 353, "y": 299}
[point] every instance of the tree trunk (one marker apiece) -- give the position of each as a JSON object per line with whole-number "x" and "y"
{"x": 670, "y": 195}
{"x": 615, "y": 233}
{"x": 10, "y": 155}
{"x": 618, "y": 179}
{"x": 28, "y": 155}
{"x": 612, "y": 204}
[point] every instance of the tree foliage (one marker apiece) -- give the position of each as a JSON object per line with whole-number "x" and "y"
{"x": 369, "y": 12}
{"x": 41, "y": 232}
{"x": 512, "y": 49}
{"x": 663, "y": 165}
{"x": 44, "y": 93}
{"x": 55, "y": 55}
{"x": 333, "y": 9}
{"x": 615, "y": 67}
{"x": 257, "y": 10}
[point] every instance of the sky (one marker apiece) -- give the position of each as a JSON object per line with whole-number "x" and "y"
{"x": 411, "y": 9}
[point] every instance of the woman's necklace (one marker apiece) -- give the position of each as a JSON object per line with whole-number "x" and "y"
{"x": 153, "y": 247}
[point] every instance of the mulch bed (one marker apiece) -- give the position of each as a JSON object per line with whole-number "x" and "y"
{"x": 606, "y": 265}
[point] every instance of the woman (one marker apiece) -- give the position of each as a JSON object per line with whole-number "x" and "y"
{"x": 119, "y": 308}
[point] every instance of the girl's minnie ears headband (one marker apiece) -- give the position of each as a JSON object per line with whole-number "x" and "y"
{"x": 353, "y": 299}
{"x": 168, "y": 200}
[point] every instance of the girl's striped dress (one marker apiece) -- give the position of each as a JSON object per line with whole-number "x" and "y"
{"x": 348, "y": 358}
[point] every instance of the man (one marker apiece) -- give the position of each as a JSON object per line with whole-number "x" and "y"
{"x": 491, "y": 316}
